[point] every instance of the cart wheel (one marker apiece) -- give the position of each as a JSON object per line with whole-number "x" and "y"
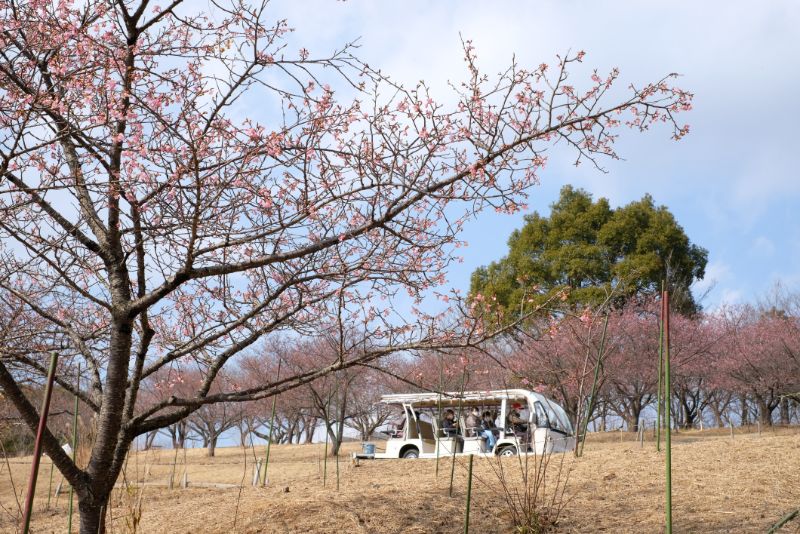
{"x": 411, "y": 453}
{"x": 508, "y": 450}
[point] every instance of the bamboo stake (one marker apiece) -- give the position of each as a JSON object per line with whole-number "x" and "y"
{"x": 659, "y": 401}
{"x": 469, "y": 494}
{"x": 454, "y": 445}
{"x": 785, "y": 519}
{"x": 271, "y": 424}
{"x": 667, "y": 418}
{"x": 37, "y": 448}
{"x": 74, "y": 449}
{"x": 439, "y": 412}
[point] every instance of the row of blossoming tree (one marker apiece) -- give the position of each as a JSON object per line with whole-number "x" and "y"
{"x": 735, "y": 366}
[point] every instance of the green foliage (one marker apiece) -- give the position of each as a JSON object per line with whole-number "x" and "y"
{"x": 592, "y": 249}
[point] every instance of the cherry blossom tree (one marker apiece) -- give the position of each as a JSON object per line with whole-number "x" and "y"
{"x": 761, "y": 358}
{"x": 560, "y": 354}
{"x": 147, "y": 222}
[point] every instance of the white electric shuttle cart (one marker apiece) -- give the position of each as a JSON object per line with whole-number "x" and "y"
{"x": 544, "y": 426}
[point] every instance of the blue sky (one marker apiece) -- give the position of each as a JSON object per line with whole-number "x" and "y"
{"x": 732, "y": 183}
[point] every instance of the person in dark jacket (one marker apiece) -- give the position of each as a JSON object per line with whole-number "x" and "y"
{"x": 514, "y": 421}
{"x": 449, "y": 424}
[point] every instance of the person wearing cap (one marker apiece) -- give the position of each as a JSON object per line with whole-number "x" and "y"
{"x": 513, "y": 419}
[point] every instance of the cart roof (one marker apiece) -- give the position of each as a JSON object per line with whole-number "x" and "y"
{"x": 433, "y": 399}
{"x": 481, "y": 398}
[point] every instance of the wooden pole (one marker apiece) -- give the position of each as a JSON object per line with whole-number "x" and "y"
{"x": 667, "y": 416}
{"x": 74, "y": 448}
{"x": 37, "y": 447}
{"x": 469, "y": 494}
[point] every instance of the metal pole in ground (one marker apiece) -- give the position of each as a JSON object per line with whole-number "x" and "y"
{"x": 74, "y": 446}
{"x": 469, "y": 494}
{"x": 37, "y": 447}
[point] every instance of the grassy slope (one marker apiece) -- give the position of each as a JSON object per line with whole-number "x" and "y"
{"x": 720, "y": 485}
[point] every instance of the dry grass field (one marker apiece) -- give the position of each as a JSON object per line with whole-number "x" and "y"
{"x": 720, "y": 484}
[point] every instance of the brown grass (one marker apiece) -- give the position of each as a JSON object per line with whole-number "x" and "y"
{"x": 720, "y": 485}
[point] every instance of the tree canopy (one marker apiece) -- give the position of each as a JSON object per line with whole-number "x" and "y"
{"x": 591, "y": 249}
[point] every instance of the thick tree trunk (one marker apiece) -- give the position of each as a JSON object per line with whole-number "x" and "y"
{"x": 764, "y": 411}
{"x": 92, "y": 512}
{"x": 631, "y": 415}
{"x": 715, "y": 411}
{"x": 785, "y": 416}
{"x": 632, "y": 422}
{"x": 212, "y": 446}
{"x": 333, "y": 445}
{"x": 744, "y": 411}
{"x": 689, "y": 416}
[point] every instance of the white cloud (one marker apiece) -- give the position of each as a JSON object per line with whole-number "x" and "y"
{"x": 723, "y": 182}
